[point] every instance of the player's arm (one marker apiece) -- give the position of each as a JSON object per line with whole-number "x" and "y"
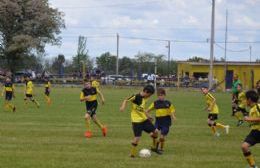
{"x": 172, "y": 110}
{"x": 101, "y": 96}
{"x": 252, "y": 119}
{"x": 13, "y": 90}
{"x": 147, "y": 112}
{"x": 124, "y": 103}
{"x": 83, "y": 98}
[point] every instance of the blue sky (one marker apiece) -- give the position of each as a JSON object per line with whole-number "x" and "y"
{"x": 183, "y": 20}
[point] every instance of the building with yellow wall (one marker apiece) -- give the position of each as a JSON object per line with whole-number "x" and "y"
{"x": 249, "y": 73}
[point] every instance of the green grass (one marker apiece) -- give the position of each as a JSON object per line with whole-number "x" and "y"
{"x": 52, "y": 137}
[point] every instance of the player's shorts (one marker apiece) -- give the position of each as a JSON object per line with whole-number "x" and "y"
{"x": 163, "y": 124}
{"x": 28, "y": 95}
{"x": 8, "y": 96}
{"x": 91, "y": 107}
{"x": 47, "y": 91}
{"x": 253, "y": 137}
{"x": 145, "y": 126}
{"x": 213, "y": 117}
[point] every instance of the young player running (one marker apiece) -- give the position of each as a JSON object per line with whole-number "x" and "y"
{"x": 165, "y": 113}
{"x": 8, "y": 91}
{"x": 240, "y": 108}
{"x": 212, "y": 108}
{"x": 29, "y": 92}
{"x": 47, "y": 85}
{"x": 254, "y": 121}
{"x": 89, "y": 96}
{"x": 140, "y": 122}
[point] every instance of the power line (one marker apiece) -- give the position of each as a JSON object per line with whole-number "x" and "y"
{"x": 110, "y": 5}
{"x": 229, "y": 50}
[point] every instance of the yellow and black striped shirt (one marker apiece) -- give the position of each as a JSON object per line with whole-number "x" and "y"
{"x": 163, "y": 108}
{"x": 138, "y": 108}
{"x": 211, "y": 104}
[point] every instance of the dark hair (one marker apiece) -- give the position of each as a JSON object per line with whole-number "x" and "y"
{"x": 252, "y": 95}
{"x": 206, "y": 86}
{"x": 161, "y": 91}
{"x": 149, "y": 89}
{"x": 240, "y": 84}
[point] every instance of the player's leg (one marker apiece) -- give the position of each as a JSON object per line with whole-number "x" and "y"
{"x": 99, "y": 124}
{"x": 251, "y": 140}
{"x": 88, "y": 132}
{"x": 8, "y": 101}
{"x": 212, "y": 125}
{"x": 47, "y": 96}
{"x": 148, "y": 127}
{"x": 35, "y": 101}
{"x": 137, "y": 129}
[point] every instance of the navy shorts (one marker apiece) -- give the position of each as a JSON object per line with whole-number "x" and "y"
{"x": 28, "y": 95}
{"x": 253, "y": 137}
{"x": 91, "y": 107}
{"x": 145, "y": 126}
{"x": 47, "y": 91}
{"x": 163, "y": 124}
{"x": 213, "y": 117}
{"x": 8, "y": 96}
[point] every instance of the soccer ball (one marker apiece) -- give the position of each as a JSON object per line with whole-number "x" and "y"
{"x": 145, "y": 153}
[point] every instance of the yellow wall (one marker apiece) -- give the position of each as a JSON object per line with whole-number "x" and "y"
{"x": 244, "y": 72}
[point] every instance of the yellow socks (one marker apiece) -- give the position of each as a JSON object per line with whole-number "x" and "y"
{"x": 250, "y": 159}
{"x": 98, "y": 123}
{"x": 133, "y": 151}
{"x": 87, "y": 121}
{"x": 218, "y": 125}
{"x": 162, "y": 141}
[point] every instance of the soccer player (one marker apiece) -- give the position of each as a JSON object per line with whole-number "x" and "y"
{"x": 254, "y": 121}
{"x": 212, "y": 108}
{"x": 8, "y": 91}
{"x": 236, "y": 81}
{"x": 140, "y": 122}
{"x": 29, "y": 91}
{"x": 240, "y": 110}
{"x": 47, "y": 86}
{"x": 258, "y": 87}
{"x": 94, "y": 81}
{"x": 165, "y": 113}
{"x": 89, "y": 96}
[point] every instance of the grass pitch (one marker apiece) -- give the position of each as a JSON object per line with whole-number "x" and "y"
{"x": 53, "y": 137}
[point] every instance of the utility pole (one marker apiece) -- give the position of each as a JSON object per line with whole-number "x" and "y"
{"x": 117, "y": 53}
{"x": 212, "y": 41}
{"x": 155, "y": 72}
{"x": 169, "y": 56}
{"x": 250, "y": 51}
{"x": 226, "y": 37}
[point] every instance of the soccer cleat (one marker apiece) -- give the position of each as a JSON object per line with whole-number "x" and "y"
{"x": 14, "y": 109}
{"x": 88, "y": 134}
{"x": 104, "y": 131}
{"x": 159, "y": 152}
{"x": 227, "y": 129}
{"x": 240, "y": 122}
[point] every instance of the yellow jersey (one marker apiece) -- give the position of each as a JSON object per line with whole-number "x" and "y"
{"x": 29, "y": 87}
{"x": 163, "y": 108}
{"x": 211, "y": 104}
{"x": 8, "y": 87}
{"x": 47, "y": 84}
{"x": 91, "y": 93}
{"x": 138, "y": 108}
{"x": 242, "y": 100}
{"x": 255, "y": 113}
{"x": 95, "y": 84}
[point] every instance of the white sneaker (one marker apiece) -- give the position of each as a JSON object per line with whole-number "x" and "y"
{"x": 217, "y": 134}
{"x": 227, "y": 129}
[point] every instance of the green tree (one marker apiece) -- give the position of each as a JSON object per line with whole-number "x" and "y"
{"x": 26, "y": 26}
{"x": 126, "y": 66}
{"x": 57, "y": 65}
{"x": 197, "y": 59}
{"x": 107, "y": 63}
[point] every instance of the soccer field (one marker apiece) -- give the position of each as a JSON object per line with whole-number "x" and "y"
{"x": 53, "y": 137}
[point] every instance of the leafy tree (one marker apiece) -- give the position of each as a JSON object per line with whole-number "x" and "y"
{"x": 58, "y": 64}
{"x": 126, "y": 66}
{"x": 26, "y": 26}
{"x": 107, "y": 63}
{"x": 197, "y": 59}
